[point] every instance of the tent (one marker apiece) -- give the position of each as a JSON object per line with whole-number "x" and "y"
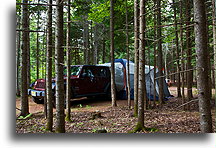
{"x": 121, "y": 76}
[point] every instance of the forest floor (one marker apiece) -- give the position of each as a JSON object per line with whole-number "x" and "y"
{"x": 169, "y": 119}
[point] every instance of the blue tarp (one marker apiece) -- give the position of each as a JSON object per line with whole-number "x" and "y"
{"x": 122, "y": 61}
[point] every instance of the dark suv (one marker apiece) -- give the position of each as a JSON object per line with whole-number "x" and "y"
{"x": 86, "y": 80}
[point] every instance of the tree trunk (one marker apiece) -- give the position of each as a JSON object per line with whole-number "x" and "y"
{"x": 103, "y": 45}
{"x": 68, "y": 84}
{"x": 49, "y": 93}
{"x": 141, "y": 86}
{"x": 160, "y": 55}
{"x": 18, "y": 36}
{"x": 189, "y": 53}
{"x": 86, "y": 40}
{"x": 91, "y": 44}
{"x": 207, "y": 5}
{"x": 95, "y": 52}
{"x": 113, "y": 88}
{"x": 177, "y": 53}
{"x": 28, "y": 56}
{"x": 202, "y": 67}
{"x": 37, "y": 48}
{"x": 155, "y": 51}
{"x": 59, "y": 66}
{"x": 182, "y": 55}
{"x": 24, "y": 67}
{"x": 214, "y": 43}
{"x": 103, "y": 50}
{"x": 136, "y": 56}
{"x": 128, "y": 56}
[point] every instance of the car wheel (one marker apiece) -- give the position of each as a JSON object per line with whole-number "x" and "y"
{"x": 38, "y": 100}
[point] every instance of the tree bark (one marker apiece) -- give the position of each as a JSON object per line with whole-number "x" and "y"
{"x": 24, "y": 67}
{"x": 128, "y": 56}
{"x": 136, "y": 56}
{"x": 182, "y": 55}
{"x": 95, "y": 52}
{"x": 214, "y": 43}
{"x": 37, "y": 48}
{"x": 177, "y": 53}
{"x": 49, "y": 93}
{"x": 59, "y": 66}
{"x": 189, "y": 53}
{"x": 104, "y": 44}
{"x": 202, "y": 67}
{"x": 142, "y": 85}
{"x": 155, "y": 51}
{"x": 113, "y": 88}
{"x": 68, "y": 84}
{"x": 160, "y": 55}
{"x": 103, "y": 50}
{"x": 86, "y": 40}
{"x": 18, "y": 41}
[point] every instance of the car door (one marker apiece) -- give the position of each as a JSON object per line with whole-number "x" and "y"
{"x": 86, "y": 81}
{"x": 102, "y": 78}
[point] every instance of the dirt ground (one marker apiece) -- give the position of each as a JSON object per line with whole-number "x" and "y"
{"x": 84, "y": 103}
{"x": 170, "y": 119}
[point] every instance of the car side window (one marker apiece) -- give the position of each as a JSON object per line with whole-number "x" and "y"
{"x": 102, "y": 72}
{"x": 87, "y": 72}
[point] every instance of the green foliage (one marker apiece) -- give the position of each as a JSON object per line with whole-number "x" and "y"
{"x": 99, "y": 12}
{"x": 88, "y": 106}
{"x": 80, "y": 105}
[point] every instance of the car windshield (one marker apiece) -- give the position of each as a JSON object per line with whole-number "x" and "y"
{"x": 74, "y": 70}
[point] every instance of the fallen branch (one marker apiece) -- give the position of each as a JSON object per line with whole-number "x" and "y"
{"x": 18, "y": 109}
{"x": 24, "y": 118}
{"x": 187, "y": 103}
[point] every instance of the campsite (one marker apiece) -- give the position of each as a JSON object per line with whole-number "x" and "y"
{"x": 115, "y": 66}
{"x": 92, "y": 115}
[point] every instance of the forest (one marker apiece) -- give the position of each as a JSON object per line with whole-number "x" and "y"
{"x": 174, "y": 39}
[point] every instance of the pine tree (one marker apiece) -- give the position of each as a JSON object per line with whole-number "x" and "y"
{"x": 160, "y": 55}
{"x": 49, "y": 93}
{"x": 59, "y": 61}
{"x": 68, "y": 86}
{"x": 141, "y": 86}
{"x": 128, "y": 56}
{"x": 136, "y": 56}
{"x": 214, "y": 41}
{"x": 202, "y": 67}
{"x": 177, "y": 52}
{"x": 189, "y": 74}
{"x": 24, "y": 52}
{"x": 113, "y": 88}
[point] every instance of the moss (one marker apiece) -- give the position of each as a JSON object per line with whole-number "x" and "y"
{"x": 135, "y": 114}
{"x": 137, "y": 128}
{"x": 67, "y": 118}
{"x": 60, "y": 131}
{"x": 49, "y": 126}
{"x": 135, "y": 111}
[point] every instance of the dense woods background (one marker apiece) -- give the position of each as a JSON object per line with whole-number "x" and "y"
{"x": 177, "y": 37}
